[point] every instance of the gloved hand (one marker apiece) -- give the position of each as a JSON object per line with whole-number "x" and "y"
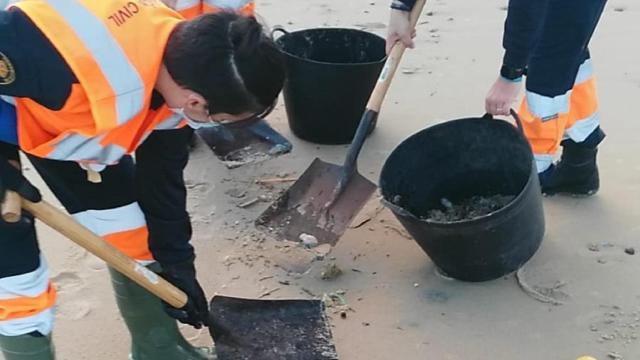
{"x": 183, "y": 276}
{"x": 11, "y": 178}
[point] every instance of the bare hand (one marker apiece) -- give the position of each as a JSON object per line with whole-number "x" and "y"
{"x": 400, "y": 30}
{"x": 502, "y": 95}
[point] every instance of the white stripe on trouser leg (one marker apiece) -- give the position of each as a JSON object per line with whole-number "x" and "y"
{"x": 26, "y": 285}
{"x": 543, "y": 162}
{"x": 41, "y": 322}
{"x": 585, "y": 72}
{"x": 112, "y": 221}
{"x": 545, "y": 107}
{"x": 32, "y": 284}
{"x": 581, "y": 130}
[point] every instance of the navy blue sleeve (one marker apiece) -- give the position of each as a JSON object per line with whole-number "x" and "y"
{"x": 525, "y": 19}
{"x": 162, "y": 194}
{"x": 563, "y": 45}
{"x": 33, "y": 68}
{"x": 9, "y": 151}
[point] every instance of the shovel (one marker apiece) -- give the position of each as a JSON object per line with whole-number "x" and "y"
{"x": 241, "y": 328}
{"x": 325, "y": 199}
{"x": 242, "y": 146}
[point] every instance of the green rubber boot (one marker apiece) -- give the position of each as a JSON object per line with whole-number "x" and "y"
{"x": 27, "y": 347}
{"x": 154, "y": 335}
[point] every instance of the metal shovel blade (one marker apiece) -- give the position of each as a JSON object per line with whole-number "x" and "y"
{"x": 302, "y": 209}
{"x": 247, "y": 329}
{"x": 237, "y": 147}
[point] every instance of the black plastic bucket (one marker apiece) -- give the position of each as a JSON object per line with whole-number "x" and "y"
{"x": 457, "y": 160}
{"x": 331, "y": 73}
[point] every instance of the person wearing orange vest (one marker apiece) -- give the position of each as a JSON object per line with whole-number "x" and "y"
{"x": 100, "y": 83}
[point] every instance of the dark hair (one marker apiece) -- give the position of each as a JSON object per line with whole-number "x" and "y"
{"x": 228, "y": 59}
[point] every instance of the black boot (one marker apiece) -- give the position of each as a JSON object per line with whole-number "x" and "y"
{"x": 577, "y": 172}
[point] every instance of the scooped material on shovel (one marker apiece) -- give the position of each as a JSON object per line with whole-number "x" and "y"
{"x": 246, "y": 329}
{"x": 301, "y": 209}
{"x": 241, "y": 146}
{"x": 468, "y": 209}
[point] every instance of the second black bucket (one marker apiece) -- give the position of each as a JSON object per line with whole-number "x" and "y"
{"x": 455, "y": 161}
{"x": 330, "y": 75}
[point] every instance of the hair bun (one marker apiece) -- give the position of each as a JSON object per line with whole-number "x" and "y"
{"x": 244, "y": 33}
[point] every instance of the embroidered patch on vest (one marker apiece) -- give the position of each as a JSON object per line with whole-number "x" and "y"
{"x": 7, "y": 72}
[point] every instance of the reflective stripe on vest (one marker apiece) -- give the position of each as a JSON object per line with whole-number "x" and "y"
{"x": 10, "y": 99}
{"x": 227, "y": 4}
{"x": 115, "y": 77}
{"x": 185, "y": 4}
{"x": 189, "y": 8}
{"x": 76, "y": 147}
{"x": 245, "y": 7}
{"x": 115, "y": 49}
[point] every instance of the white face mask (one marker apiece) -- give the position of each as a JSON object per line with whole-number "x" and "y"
{"x": 193, "y": 123}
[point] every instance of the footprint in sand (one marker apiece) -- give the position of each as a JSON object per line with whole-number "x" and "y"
{"x": 94, "y": 263}
{"x": 73, "y": 310}
{"x": 76, "y": 254}
{"x": 68, "y": 281}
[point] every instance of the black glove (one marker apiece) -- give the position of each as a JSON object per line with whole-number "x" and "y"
{"x": 183, "y": 276}
{"x": 12, "y": 179}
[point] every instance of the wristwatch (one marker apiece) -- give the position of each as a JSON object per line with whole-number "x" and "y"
{"x": 400, "y": 5}
{"x": 511, "y": 73}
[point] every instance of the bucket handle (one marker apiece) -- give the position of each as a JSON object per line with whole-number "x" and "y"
{"x": 515, "y": 116}
{"x": 276, "y": 29}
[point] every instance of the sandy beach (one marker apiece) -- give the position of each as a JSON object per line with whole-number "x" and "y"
{"x": 397, "y": 306}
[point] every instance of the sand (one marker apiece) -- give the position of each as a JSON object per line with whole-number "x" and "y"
{"x": 400, "y": 308}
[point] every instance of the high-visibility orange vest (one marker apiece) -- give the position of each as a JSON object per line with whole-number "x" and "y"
{"x": 192, "y": 8}
{"x": 115, "y": 49}
{"x": 189, "y": 8}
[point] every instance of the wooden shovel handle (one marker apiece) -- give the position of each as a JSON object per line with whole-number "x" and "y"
{"x": 393, "y": 61}
{"x": 11, "y": 206}
{"x": 11, "y": 211}
{"x": 82, "y": 236}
